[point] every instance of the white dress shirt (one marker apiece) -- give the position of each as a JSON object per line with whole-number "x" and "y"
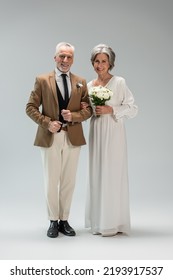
{"x": 59, "y": 81}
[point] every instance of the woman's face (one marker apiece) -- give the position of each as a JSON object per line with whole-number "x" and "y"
{"x": 101, "y": 64}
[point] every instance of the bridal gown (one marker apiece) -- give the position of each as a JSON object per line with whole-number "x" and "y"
{"x": 107, "y": 207}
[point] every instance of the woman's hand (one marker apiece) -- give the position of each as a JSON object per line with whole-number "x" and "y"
{"x": 101, "y": 110}
{"x": 84, "y": 105}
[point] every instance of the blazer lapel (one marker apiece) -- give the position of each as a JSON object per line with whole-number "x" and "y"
{"x": 53, "y": 85}
{"x": 74, "y": 81}
{"x": 74, "y": 89}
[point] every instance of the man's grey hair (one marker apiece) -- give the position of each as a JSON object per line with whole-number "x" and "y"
{"x": 63, "y": 44}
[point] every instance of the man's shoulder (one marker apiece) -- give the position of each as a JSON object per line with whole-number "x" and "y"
{"x": 46, "y": 76}
{"x": 77, "y": 77}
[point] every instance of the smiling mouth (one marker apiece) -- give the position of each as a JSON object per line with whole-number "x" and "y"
{"x": 64, "y": 66}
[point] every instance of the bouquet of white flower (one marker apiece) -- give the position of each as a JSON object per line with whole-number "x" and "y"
{"x": 99, "y": 95}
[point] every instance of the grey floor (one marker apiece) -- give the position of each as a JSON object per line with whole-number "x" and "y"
{"x": 24, "y": 221}
{"x": 23, "y": 234}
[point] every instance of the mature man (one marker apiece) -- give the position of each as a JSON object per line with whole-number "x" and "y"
{"x": 60, "y": 134}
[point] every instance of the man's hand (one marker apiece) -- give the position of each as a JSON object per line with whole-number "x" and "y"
{"x": 67, "y": 116}
{"x": 54, "y": 126}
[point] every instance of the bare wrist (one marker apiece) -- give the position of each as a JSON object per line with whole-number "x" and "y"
{"x": 110, "y": 110}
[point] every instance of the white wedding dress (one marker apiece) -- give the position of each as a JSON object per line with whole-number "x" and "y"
{"x": 107, "y": 207}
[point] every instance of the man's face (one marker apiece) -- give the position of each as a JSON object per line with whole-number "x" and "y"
{"x": 64, "y": 59}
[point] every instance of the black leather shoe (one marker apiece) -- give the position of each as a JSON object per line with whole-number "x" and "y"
{"x": 66, "y": 229}
{"x": 53, "y": 229}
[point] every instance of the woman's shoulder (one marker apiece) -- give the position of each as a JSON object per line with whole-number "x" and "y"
{"x": 118, "y": 78}
{"x": 118, "y": 81}
{"x": 90, "y": 84}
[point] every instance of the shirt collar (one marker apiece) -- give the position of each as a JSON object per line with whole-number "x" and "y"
{"x": 58, "y": 73}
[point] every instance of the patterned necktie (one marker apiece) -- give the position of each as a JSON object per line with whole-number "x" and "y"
{"x": 66, "y": 97}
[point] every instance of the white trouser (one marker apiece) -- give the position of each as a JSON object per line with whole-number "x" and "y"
{"x": 60, "y": 167}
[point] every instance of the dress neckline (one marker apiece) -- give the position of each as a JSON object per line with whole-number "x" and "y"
{"x": 105, "y": 85}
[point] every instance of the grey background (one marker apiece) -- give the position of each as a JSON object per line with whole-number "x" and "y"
{"x": 140, "y": 32}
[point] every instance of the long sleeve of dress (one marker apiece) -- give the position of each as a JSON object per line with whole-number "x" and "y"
{"x": 126, "y": 107}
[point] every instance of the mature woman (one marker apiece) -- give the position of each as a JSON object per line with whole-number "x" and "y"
{"x": 107, "y": 210}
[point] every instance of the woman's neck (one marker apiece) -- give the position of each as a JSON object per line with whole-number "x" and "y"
{"x": 102, "y": 80}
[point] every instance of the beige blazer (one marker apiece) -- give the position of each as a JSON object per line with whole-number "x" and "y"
{"x": 43, "y": 107}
